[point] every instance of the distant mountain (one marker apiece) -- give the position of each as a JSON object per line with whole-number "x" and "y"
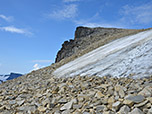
{"x": 13, "y": 75}
{"x": 9, "y": 77}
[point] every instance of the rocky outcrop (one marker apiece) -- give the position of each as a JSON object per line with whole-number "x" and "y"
{"x": 84, "y": 37}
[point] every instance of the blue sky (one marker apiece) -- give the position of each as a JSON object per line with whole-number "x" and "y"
{"x": 32, "y": 31}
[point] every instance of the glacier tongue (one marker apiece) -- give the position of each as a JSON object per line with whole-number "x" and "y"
{"x": 131, "y": 55}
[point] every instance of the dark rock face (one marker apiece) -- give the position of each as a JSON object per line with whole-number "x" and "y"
{"x": 84, "y": 36}
{"x": 83, "y": 32}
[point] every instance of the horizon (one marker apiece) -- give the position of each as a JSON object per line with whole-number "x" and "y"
{"x": 32, "y": 32}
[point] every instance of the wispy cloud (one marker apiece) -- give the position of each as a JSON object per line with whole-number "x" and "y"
{"x": 137, "y": 14}
{"x": 70, "y": 0}
{"x": 9, "y": 18}
{"x": 68, "y": 12}
{"x": 13, "y": 29}
{"x": 42, "y": 61}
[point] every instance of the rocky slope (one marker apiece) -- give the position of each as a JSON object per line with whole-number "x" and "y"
{"x": 85, "y": 37}
{"x": 39, "y": 92}
{"x": 77, "y": 95}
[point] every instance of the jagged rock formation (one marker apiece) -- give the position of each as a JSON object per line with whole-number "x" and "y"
{"x": 84, "y": 37}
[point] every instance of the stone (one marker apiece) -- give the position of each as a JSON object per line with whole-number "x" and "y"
{"x": 77, "y": 106}
{"x": 108, "y": 112}
{"x": 12, "y": 102}
{"x": 27, "y": 108}
{"x": 124, "y": 110}
{"x": 141, "y": 104}
{"x": 57, "y": 112}
{"x": 74, "y": 100}
{"x": 96, "y": 103}
{"x": 20, "y": 102}
{"x": 67, "y": 106}
{"x": 104, "y": 101}
{"x": 147, "y": 92}
{"x": 42, "y": 108}
{"x": 145, "y": 111}
{"x": 120, "y": 90}
{"x": 99, "y": 95}
{"x": 148, "y": 105}
{"x": 80, "y": 99}
{"x": 111, "y": 100}
{"x": 62, "y": 101}
{"x": 6, "y": 112}
{"x": 121, "y": 93}
{"x": 50, "y": 105}
{"x": 100, "y": 108}
{"x": 136, "y": 99}
{"x": 136, "y": 111}
{"x": 66, "y": 112}
{"x": 128, "y": 102}
{"x": 149, "y": 99}
{"x": 117, "y": 88}
{"x": 116, "y": 105}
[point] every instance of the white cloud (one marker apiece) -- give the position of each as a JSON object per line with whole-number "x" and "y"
{"x": 137, "y": 14}
{"x": 70, "y": 0}
{"x": 42, "y": 61}
{"x": 69, "y": 11}
{"x": 15, "y": 30}
{"x": 10, "y": 18}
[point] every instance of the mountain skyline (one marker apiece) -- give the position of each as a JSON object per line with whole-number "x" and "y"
{"x": 31, "y": 32}
{"x": 5, "y": 77}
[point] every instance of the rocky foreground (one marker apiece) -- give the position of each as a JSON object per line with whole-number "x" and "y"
{"x": 76, "y": 95}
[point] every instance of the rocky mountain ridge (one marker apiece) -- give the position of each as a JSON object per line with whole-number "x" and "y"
{"x": 84, "y": 37}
